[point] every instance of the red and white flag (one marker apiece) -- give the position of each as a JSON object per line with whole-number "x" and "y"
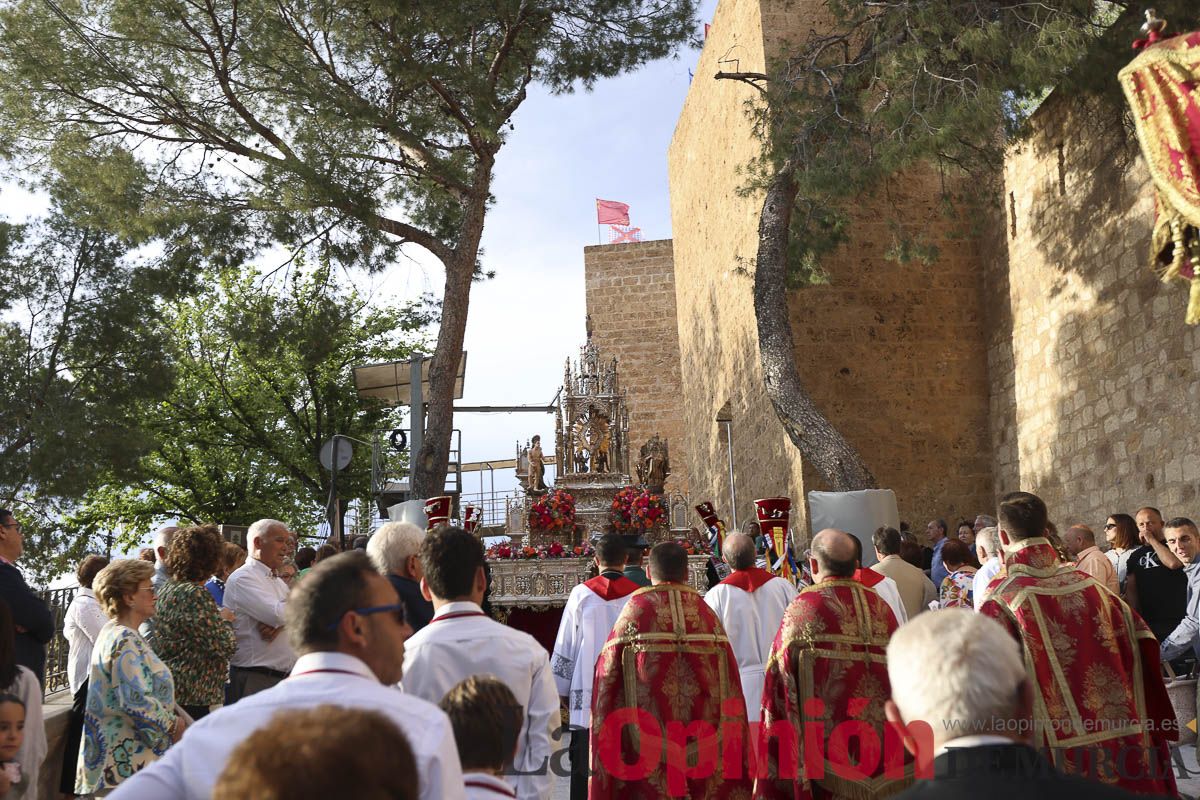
{"x": 610, "y": 212}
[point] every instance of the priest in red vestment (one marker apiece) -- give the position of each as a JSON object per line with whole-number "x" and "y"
{"x": 824, "y": 730}
{"x": 1101, "y": 709}
{"x": 668, "y": 718}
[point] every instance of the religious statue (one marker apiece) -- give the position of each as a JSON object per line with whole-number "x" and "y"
{"x": 600, "y": 459}
{"x": 581, "y": 459}
{"x": 654, "y": 464}
{"x": 537, "y": 466}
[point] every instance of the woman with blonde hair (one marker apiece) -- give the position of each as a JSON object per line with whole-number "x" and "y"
{"x": 131, "y": 718}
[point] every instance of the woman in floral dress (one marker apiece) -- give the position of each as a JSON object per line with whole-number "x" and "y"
{"x": 957, "y": 587}
{"x": 191, "y": 633}
{"x": 130, "y": 719}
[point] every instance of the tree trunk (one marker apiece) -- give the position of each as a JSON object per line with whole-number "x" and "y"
{"x": 818, "y": 441}
{"x": 429, "y": 475}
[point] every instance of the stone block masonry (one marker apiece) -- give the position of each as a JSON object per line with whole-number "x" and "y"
{"x": 631, "y": 299}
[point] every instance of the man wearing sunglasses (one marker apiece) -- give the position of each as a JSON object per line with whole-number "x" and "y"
{"x": 347, "y": 624}
{"x": 32, "y": 619}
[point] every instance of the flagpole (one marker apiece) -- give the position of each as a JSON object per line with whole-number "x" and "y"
{"x": 598, "y": 241}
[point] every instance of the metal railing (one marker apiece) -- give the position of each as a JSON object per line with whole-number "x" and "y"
{"x": 56, "y": 649}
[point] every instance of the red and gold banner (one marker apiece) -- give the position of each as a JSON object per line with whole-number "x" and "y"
{"x": 1162, "y": 86}
{"x": 774, "y": 514}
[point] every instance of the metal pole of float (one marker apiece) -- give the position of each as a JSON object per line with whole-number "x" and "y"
{"x": 416, "y": 418}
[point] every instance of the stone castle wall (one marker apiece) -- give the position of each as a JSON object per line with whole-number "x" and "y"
{"x": 714, "y": 227}
{"x": 1036, "y": 352}
{"x": 894, "y": 354}
{"x": 1094, "y": 374}
{"x": 631, "y": 299}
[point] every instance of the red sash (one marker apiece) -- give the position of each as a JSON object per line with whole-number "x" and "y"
{"x": 611, "y": 588}
{"x": 868, "y": 577}
{"x": 749, "y": 579}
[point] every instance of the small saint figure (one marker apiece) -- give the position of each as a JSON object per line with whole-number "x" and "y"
{"x": 655, "y": 465}
{"x": 537, "y": 466}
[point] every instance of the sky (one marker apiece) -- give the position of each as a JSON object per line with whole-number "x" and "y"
{"x": 565, "y": 151}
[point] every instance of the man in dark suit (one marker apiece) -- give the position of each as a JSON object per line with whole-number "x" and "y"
{"x": 32, "y": 619}
{"x": 964, "y": 676}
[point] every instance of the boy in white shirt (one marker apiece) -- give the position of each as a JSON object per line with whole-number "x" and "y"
{"x": 487, "y": 721}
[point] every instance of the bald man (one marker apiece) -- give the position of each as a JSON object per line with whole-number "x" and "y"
{"x": 750, "y": 604}
{"x": 814, "y": 678}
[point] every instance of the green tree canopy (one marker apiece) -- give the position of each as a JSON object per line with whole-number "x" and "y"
{"x": 357, "y": 126}
{"x": 262, "y": 380}
{"x": 77, "y": 360}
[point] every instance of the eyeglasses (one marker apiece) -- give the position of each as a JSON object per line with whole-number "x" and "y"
{"x": 16, "y": 525}
{"x": 396, "y": 608}
{"x": 1110, "y": 526}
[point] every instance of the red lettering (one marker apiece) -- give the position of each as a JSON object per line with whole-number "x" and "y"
{"x": 856, "y": 762}
{"x": 611, "y": 738}
{"x": 679, "y": 767}
{"x": 814, "y": 738}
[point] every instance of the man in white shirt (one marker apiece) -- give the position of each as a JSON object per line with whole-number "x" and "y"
{"x": 346, "y": 621}
{"x": 462, "y": 641}
{"x": 592, "y": 608}
{"x": 258, "y": 598}
{"x": 750, "y": 604}
{"x": 987, "y": 550}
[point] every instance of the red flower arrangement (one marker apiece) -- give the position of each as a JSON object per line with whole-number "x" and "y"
{"x": 508, "y": 550}
{"x": 554, "y": 511}
{"x": 694, "y": 548}
{"x": 637, "y": 510}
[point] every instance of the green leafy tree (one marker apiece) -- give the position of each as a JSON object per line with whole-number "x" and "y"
{"x": 359, "y": 126}
{"x": 891, "y": 86}
{"x": 262, "y": 380}
{"x": 76, "y": 362}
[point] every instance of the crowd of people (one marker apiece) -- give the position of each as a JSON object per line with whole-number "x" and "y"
{"x": 1005, "y": 656}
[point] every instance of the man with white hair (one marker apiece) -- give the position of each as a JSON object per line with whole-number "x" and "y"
{"x": 750, "y": 604}
{"x": 987, "y": 550}
{"x": 395, "y": 548}
{"x": 162, "y": 540}
{"x": 958, "y": 679}
{"x": 983, "y": 521}
{"x": 258, "y": 597}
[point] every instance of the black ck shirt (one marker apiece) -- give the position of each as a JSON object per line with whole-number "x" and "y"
{"x": 1162, "y": 592}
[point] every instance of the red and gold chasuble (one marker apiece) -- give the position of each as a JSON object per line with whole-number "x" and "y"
{"x": 827, "y": 681}
{"x": 667, "y": 700}
{"x": 1102, "y": 710}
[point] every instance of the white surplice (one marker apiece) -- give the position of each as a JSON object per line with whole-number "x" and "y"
{"x": 191, "y": 767}
{"x": 750, "y": 606}
{"x": 462, "y": 641}
{"x": 586, "y": 622}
